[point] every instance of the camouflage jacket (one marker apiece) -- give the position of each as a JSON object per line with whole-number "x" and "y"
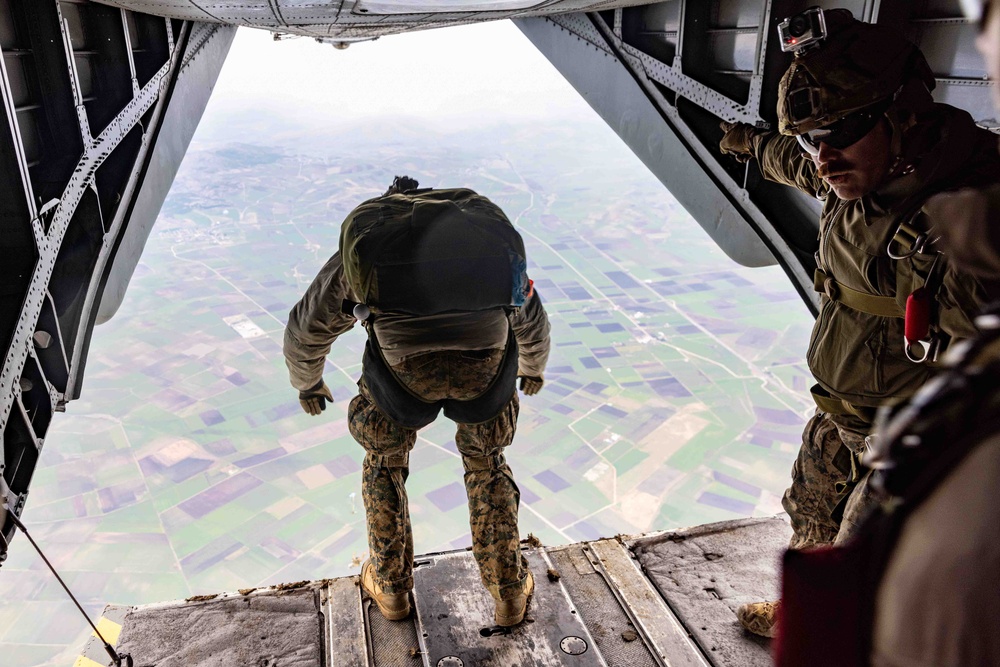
{"x": 859, "y": 357}
{"x": 316, "y": 321}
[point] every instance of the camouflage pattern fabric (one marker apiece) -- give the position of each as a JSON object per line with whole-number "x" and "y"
{"x": 435, "y": 376}
{"x": 860, "y": 502}
{"x": 818, "y": 478}
{"x": 489, "y": 482}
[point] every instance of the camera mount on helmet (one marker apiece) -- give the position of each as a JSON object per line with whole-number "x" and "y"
{"x": 802, "y": 32}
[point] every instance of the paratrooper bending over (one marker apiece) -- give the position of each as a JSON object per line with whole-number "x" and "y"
{"x": 438, "y": 279}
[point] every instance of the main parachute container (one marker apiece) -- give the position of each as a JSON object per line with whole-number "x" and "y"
{"x": 432, "y": 251}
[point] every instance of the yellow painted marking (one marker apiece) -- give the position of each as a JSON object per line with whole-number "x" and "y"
{"x": 109, "y": 630}
{"x": 82, "y": 661}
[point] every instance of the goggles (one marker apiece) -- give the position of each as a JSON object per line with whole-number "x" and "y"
{"x": 845, "y": 132}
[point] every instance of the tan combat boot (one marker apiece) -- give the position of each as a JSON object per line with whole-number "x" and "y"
{"x": 511, "y": 612}
{"x": 394, "y": 606}
{"x": 760, "y": 618}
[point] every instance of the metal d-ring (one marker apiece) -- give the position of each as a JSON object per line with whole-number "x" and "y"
{"x": 909, "y": 355}
{"x": 918, "y": 246}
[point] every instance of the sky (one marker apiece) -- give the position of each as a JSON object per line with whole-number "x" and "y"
{"x": 456, "y": 78}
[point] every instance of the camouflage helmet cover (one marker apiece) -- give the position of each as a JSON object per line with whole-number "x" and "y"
{"x": 858, "y": 65}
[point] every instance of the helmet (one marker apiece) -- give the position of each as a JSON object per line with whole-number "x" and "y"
{"x": 858, "y": 67}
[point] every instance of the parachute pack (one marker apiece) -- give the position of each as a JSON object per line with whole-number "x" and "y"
{"x": 426, "y": 252}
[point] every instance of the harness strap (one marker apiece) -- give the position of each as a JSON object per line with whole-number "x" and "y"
{"x": 827, "y": 403}
{"x": 836, "y": 406}
{"x": 882, "y": 306}
{"x": 478, "y": 463}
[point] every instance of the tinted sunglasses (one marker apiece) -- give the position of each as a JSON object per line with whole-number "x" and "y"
{"x": 845, "y": 132}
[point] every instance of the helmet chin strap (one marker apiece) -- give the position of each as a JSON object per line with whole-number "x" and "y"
{"x": 903, "y": 115}
{"x": 895, "y": 146}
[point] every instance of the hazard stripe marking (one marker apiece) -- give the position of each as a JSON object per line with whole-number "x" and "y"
{"x": 109, "y": 630}
{"x": 110, "y": 627}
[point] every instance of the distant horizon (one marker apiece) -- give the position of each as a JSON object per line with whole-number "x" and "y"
{"x": 456, "y": 77}
{"x": 408, "y": 123}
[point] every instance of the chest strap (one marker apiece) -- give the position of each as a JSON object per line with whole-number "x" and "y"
{"x": 882, "y": 306}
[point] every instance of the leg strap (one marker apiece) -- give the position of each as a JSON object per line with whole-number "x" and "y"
{"x": 394, "y": 461}
{"x": 476, "y": 463}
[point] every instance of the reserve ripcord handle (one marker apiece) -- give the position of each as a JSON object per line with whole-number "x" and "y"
{"x": 119, "y": 660}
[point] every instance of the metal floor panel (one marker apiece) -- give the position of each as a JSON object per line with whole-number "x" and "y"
{"x": 705, "y": 573}
{"x": 457, "y": 629}
{"x": 391, "y": 643}
{"x": 280, "y": 627}
{"x": 665, "y": 600}
{"x": 616, "y": 636}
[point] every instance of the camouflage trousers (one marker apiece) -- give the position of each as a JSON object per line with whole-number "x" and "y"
{"x": 826, "y": 474}
{"x": 489, "y": 483}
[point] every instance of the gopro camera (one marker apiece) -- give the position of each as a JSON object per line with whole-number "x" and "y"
{"x": 802, "y": 31}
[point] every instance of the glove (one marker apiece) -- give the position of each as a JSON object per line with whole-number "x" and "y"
{"x": 531, "y": 385}
{"x": 738, "y": 140}
{"x": 313, "y": 400}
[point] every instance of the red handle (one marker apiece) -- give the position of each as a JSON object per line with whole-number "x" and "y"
{"x": 918, "y": 316}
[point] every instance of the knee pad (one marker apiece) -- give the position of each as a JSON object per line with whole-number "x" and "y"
{"x": 477, "y": 463}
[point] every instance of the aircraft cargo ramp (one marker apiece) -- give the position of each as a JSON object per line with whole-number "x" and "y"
{"x": 663, "y": 599}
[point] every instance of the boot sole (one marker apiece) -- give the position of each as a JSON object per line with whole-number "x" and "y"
{"x": 388, "y": 613}
{"x": 762, "y": 630}
{"x": 508, "y": 621}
